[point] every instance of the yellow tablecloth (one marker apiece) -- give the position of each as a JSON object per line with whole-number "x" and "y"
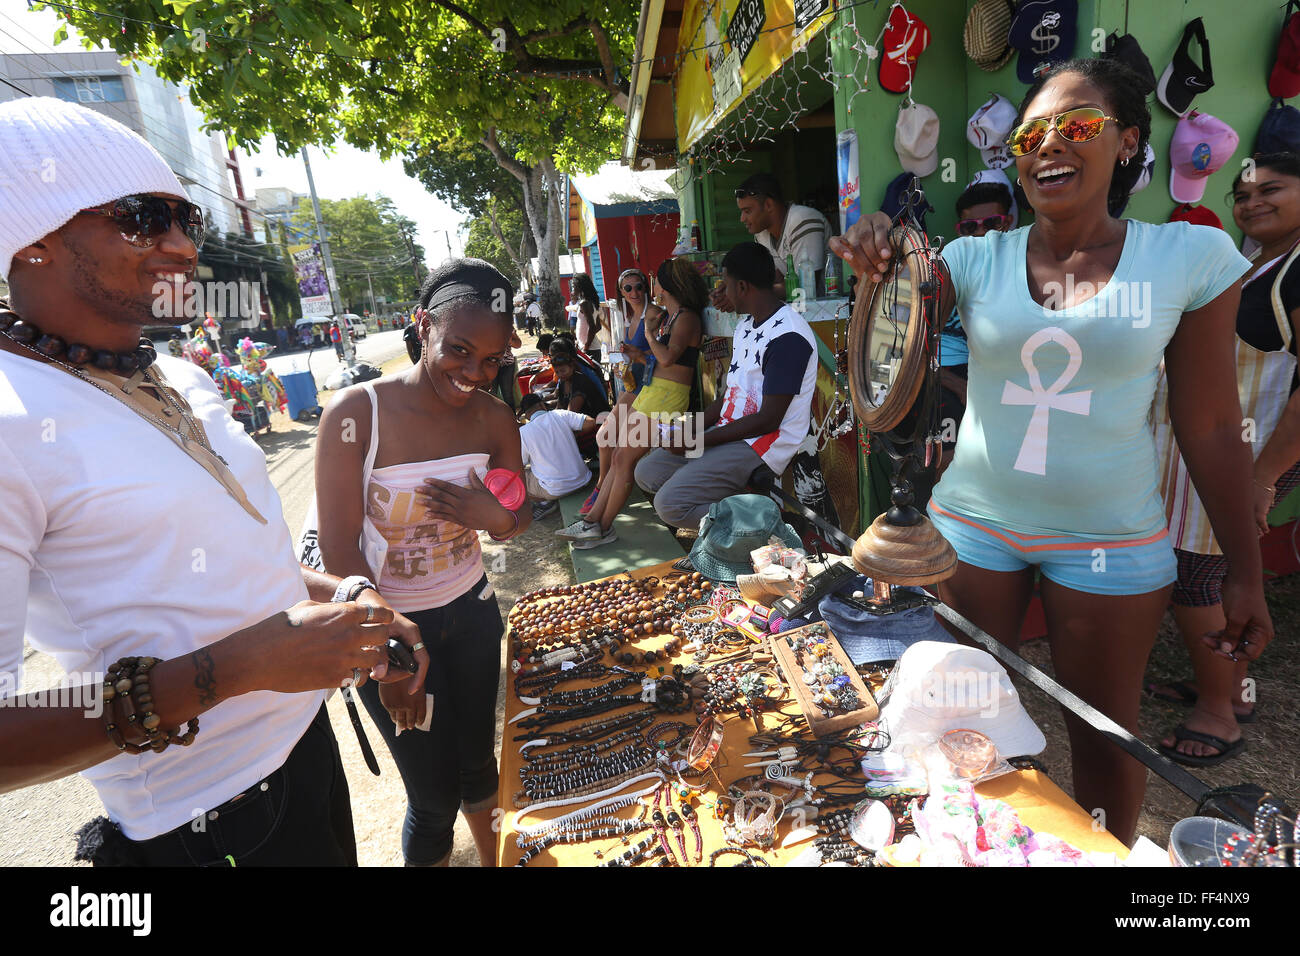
{"x": 1041, "y": 804}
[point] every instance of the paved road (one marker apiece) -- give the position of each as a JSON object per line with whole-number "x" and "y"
{"x": 375, "y": 349}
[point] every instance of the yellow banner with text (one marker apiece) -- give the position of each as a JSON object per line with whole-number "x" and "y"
{"x": 727, "y": 48}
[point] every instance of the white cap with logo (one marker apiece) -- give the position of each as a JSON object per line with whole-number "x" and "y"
{"x": 987, "y": 131}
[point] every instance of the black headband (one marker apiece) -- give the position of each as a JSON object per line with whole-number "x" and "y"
{"x": 473, "y": 279}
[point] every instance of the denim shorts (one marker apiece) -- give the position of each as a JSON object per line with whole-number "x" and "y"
{"x": 1124, "y": 566}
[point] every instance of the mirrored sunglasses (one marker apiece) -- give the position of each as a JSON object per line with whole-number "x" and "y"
{"x": 1077, "y": 126}
{"x": 143, "y": 220}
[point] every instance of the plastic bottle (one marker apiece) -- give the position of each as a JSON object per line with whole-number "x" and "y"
{"x": 807, "y": 272}
{"x": 697, "y": 238}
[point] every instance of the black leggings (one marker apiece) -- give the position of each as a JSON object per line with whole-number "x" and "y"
{"x": 454, "y": 763}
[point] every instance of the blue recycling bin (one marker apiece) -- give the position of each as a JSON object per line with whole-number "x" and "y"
{"x": 300, "y": 389}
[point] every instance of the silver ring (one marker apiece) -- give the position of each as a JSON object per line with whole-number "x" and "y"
{"x": 418, "y": 647}
{"x": 370, "y": 614}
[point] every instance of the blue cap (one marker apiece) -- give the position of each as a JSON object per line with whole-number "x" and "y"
{"x": 1044, "y": 31}
{"x": 895, "y": 195}
{"x": 1279, "y": 132}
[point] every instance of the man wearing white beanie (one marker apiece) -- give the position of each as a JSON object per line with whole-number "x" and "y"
{"x": 209, "y": 615}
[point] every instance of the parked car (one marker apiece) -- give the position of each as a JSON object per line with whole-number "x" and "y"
{"x": 356, "y": 324}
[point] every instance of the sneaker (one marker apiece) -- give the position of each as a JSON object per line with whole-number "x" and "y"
{"x": 544, "y": 509}
{"x": 580, "y": 530}
{"x": 602, "y": 537}
{"x": 591, "y": 500}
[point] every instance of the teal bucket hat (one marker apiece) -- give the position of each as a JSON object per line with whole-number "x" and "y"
{"x": 734, "y": 527}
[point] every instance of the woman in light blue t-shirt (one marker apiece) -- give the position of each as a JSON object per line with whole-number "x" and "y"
{"x": 1067, "y": 322}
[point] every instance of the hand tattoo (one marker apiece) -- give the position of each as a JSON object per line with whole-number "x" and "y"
{"x": 204, "y": 678}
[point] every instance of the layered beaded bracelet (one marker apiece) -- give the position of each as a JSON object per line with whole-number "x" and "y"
{"x": 126, "y": 689}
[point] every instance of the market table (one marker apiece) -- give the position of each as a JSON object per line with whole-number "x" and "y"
{"x": 1040, "y": 803}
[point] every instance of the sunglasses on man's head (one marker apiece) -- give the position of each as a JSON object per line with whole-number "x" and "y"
{"x": 1077, "y": 125}
{"x": 968, "y": 227}
{"x": 143, "y": 220}
{"x": 634, "y": 287}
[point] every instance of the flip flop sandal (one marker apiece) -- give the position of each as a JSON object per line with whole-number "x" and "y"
{"x": 1184, "y": 694}
{"x": 1173, "y": 692}
{"x": 1226, "y": 750}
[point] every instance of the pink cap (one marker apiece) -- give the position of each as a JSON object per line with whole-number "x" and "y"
{"x": 1201, "y": 145}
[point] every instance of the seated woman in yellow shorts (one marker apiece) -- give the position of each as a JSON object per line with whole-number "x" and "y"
{"x": 632, "y": 430}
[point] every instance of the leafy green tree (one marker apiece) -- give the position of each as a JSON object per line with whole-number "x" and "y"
{"x": 540, "y": 85}
{"x": 370, "y": 243}
{"x": 489, "y": 240}
{"x": 473, "y": 182}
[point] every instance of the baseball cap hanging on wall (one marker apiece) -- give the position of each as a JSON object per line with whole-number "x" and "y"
{"x": 901, "y": 188}
{"x": 1279, "y": 131}
{"x": 987, "y": 131}
{"x": 1284, "y": 80}
{"x": 1141, "y": 183}
{"x": 1126, "y": 50}
{"x": 1196, "y": 215}
{"x": 916, "y": 138}
{"x": 1201, "y": 145}
{"x": 1183, "y": 79}
{"x": 1044, "y": 31}
{"x": 906, "y": 36}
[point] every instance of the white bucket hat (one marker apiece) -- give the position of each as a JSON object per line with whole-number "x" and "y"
{"x": 939, "y": 687}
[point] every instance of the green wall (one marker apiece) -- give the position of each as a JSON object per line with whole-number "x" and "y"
{"x": 1242, "y": 36}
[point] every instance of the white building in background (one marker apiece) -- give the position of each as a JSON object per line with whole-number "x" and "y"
{"x": 157, "y": 109}
{"x": 275, "y": 204}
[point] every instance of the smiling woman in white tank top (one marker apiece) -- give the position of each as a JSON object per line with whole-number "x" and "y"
{"x": 400, "y": 464}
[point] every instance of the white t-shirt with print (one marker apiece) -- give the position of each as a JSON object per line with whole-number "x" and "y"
{"x": 115, "y": 543}
{"x": 549, "y": 447}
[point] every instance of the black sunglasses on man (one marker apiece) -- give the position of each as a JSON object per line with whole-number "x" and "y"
{"x": 143, "y": 220}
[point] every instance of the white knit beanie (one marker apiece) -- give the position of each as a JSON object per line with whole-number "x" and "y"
{"x": 57, "y": 158}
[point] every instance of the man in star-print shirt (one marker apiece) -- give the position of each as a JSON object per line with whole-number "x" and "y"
{"x": 763, "y": 412}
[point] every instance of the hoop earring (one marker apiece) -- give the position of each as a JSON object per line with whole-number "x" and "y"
{"x": 1124, "y": 161}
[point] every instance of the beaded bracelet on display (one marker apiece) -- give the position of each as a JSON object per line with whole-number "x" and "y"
{"x": 749, "y": 858}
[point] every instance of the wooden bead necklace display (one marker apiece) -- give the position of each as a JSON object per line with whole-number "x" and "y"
{"x": 606, "y": 611}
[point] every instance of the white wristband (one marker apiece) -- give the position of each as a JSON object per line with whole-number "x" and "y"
{"x": 350, "y": 587}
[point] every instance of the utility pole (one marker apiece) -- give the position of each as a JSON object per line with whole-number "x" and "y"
{"x": 373, "y": 310}
{"x": 330, "y": 278}
{"x": 410, "y": 249}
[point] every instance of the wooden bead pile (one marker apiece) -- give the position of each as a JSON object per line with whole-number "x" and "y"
{"x": 623, "y": 608}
